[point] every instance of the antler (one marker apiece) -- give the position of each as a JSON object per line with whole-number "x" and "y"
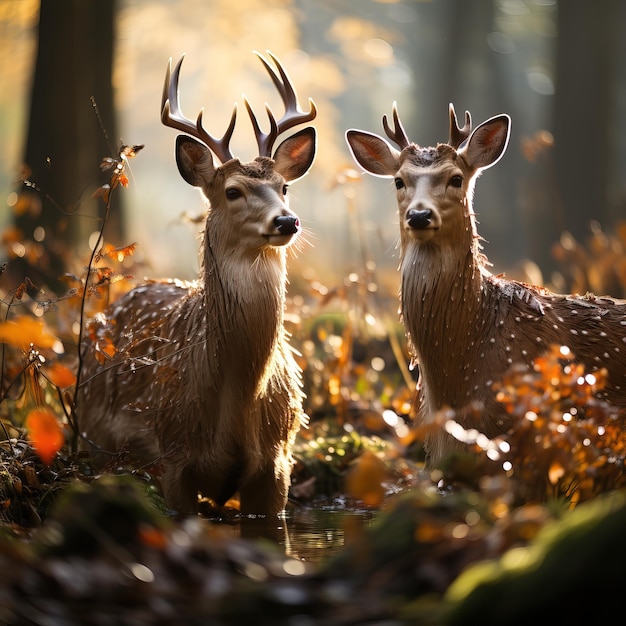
{"x": 398, "y": 134}
{"x": 293, "y": 115}
{"x": 459, "y": 135}
{"x": 172, "y": 116}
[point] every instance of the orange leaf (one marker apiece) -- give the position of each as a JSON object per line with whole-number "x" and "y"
{"x": 45, "y": 433}
{"x": 152, "y": 537}
{"x": 130, "y": 152}
{"x": 23, "y": 331}
{"x": 60, "y": 375}
{"x": 364, "y": 480}
{"x": 106, "y": 347}
{"x": 100, "y": 191}
{"x": 555, "y": 472}
{"x": 119, "y": 253}
{"x": 19, "y": 292}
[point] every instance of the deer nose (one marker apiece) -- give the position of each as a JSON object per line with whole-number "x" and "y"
{"x": 287, "y": 224}
{"x": 419, "y": 219}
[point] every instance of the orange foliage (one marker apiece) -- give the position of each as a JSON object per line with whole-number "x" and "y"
{"x": 45, "y": 432}
{"x": 60, "y": 375}
{"x": 119, "y": 253}
{"x": 118, "y": 175}
{"x": 365, "y": 479}
{"x": 152, "y": 537}
{"x": 24, "y": 331}
{"x": 566, "y": 442}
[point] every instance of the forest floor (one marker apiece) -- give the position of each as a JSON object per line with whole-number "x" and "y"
{"x": 524, "y": 526}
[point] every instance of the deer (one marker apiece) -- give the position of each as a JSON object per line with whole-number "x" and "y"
{"x": 465, "y": 326}
{"x": 204, "y": 384}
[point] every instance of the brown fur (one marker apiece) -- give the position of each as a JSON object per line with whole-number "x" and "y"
{"x": 204, "y": 381}
{"x": 465, "y": 326}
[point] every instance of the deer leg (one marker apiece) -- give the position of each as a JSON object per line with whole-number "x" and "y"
{"x": 180, "y": 490}
{"x": 265, "y": 493}
{"x": 222, "y": 489}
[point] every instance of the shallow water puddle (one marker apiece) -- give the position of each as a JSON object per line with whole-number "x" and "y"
{"x": 312, "y": 534}
{"x": 317, "y": 534}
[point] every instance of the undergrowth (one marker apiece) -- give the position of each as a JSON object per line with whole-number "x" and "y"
{"x": 567, "y": 446}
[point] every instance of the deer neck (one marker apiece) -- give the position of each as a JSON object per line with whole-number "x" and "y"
{"x": 246, "y": 294}
{"x": 443, "y": 298}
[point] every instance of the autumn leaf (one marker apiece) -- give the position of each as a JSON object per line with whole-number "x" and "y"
{"x": 23, "y": 331}
{"x": 130, "y": 152}
{"x": 117, "y": 253}
{"x": 556, "y": 472}
{"x": 104, "y": 350}
{"x": 19, "y": 292}
{"x": 45, "y": 433}
{"x": 60, "y": 375}
{"x": 152, "y": 537}
{"x": 107, "y": 163}
{"x": 365, "y": 479}
{"x": 102, "y": 192}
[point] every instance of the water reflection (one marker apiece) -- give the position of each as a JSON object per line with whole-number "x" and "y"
{"x": 311, "y": 534}
{"x": 316, "y": 534}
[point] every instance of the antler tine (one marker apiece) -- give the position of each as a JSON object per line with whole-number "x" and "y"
{"x": 293, "y": 115}
{"x": 398, "y": 134}
{"x": 459, "y": 135}
{"x": 172, "y": 116}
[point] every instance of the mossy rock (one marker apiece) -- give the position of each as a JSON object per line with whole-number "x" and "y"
{"x": 573, "y": 571}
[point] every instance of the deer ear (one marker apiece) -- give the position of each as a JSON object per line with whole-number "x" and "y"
{"x": 194, "y": 160}
{"x": 488, "y": 142}
{"x": 373, "y": 153}
{"x": 294, "y": 157}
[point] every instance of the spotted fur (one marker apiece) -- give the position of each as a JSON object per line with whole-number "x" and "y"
{"x": 465, "y": 326}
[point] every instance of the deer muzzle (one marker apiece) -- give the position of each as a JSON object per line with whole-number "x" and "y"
{"x": 419, "y": 219}
{"x": 287, "y": 224}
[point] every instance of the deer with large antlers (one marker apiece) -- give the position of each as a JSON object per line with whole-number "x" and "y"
{"x": 203, "y": 380}
{"x": 465, "y": 326}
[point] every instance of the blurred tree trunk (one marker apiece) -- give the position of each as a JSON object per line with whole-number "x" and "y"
{"x": 64, "y": 140}
{"x": 585, "y": 64}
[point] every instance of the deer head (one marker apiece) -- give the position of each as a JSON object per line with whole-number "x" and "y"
{"x": 248, "y": 197}
{"x": 434, "y": 185}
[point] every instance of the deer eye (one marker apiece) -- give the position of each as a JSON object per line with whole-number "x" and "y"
{"x": 399, "y": 183}
{"x": 456, "y": 181}
{"x": 232, "y": 193}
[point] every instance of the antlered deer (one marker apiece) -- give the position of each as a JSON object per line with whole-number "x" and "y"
{"x": 203, "y": 380}
{"x": 465, "y": 326}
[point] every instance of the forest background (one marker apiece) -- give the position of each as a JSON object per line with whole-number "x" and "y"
{"x": 552, "y": 66}
{"x": 80, "y": 77}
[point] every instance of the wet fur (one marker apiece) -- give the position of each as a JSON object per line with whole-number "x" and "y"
{"x": 204, "y": 383}
{"x": 465, "y": 326}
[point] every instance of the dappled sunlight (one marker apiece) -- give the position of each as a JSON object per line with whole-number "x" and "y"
{"x": 500, "y": 527}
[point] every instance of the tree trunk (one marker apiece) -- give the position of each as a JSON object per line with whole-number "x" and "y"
{"x": 588, "y": 33}
{"x": 65, "y": 141}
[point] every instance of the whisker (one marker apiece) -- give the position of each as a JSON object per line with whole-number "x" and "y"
{"x": 301, "y": 243}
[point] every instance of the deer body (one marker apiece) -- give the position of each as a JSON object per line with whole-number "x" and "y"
{"x": 204, "y": 381}
{"x": 465, "y": 326}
